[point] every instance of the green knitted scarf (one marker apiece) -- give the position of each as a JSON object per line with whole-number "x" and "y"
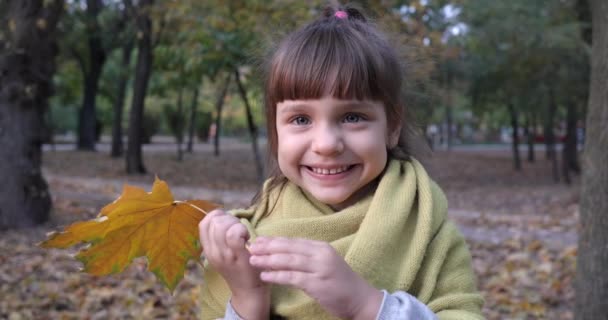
{"x": 397, "y": 238}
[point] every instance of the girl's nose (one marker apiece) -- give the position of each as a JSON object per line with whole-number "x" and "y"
{"x": 327, "y": 141}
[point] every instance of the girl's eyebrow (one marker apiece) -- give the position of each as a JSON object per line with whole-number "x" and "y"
{"x": 349, "y": 105}
{"x": 355, "y": 105}
{"x": 298, "y": 107}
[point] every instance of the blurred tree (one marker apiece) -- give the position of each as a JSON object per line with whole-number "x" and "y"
{"x": 219, "y": 104}
{"x": 428, "y": 36}
{"x": 28, "y": 46}
{"x": 90, "y": 31}
{"x": 143, "y": 69}
{"x": 126, "y": 47}
{"x": 203, "y": 125}
{"x": 253, "y": 130}
{"x": 119, "y": 100}
{"x": 66, "y": 100}
{"x": 520, "y": 57}
{"x": 91, "y": 69}
{"x": 193, "y": 119}
{"x": 591, "y": 277}
{"x": 171, "y": 64}
{"x": 180, "y": 64}
{"x": 577, "y": 94}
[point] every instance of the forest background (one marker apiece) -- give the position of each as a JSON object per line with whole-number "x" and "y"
{"x": 97, "y": 93}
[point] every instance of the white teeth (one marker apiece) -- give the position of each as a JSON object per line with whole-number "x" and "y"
{"x": 330, "y": 171}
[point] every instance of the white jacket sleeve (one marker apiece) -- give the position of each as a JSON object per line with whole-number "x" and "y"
{"x": 397, "y": 306}
{"x": 402, "y": 305}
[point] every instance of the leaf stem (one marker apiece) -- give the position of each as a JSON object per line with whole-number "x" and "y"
{"x": 190, "y": 204}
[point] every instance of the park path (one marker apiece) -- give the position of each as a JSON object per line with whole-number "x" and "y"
{"x": 490, "y": 228}
{"x": 496, "y": 228}
{"x": 240, "y": 198}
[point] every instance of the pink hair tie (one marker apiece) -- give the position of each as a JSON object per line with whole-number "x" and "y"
{"x": 341, "y": 14}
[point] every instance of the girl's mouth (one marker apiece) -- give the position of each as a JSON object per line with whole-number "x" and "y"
{"x": 330, "y": 172}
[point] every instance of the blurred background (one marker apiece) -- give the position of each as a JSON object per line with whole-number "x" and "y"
{"x": 118, "y": 91}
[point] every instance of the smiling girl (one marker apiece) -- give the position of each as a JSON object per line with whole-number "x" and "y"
{"x": 349, "y": 225}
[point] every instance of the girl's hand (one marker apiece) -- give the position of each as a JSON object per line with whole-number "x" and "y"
{"x": 316, "y": 268}
{"x": 223, "y": 239}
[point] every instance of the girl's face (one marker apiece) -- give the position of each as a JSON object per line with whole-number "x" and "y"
{"x": 332, "y": 148}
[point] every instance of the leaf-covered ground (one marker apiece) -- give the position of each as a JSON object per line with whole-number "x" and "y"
{"x": 521, "y": 228}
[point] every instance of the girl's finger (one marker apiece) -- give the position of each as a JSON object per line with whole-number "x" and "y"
{"x": 217, "y": 233}
{"x": 203, "y": 226}
{"x": 236, "y": 236}
{"x": 204, "y": 229}
{"x": 215, "y": 212}
{"x": 282, "y": 261}
{"x": 286, "y": 277}
{"x": 283, "y": 245}
{"x": 218, "y": 230}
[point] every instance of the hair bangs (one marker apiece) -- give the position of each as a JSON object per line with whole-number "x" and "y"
{"x": 327, "y": 64}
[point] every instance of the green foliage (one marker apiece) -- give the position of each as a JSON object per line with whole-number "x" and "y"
{"x": 505, "y": 52}
{"x": 62, "y": 118}
{"x": 66, "y": 101}
{"x": 76, "y": 26}
{"x": 515, "y": 58}
{"x": 203, "y": 39}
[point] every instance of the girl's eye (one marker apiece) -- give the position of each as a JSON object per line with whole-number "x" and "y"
{"x": 300, "y": 120}
{"x": 352, "y": 118}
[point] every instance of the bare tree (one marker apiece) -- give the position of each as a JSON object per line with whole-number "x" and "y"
{"x": 591, "y": 276}
{"x": 121, "y": 85}
{"x": 219, "y": 104}
{"x": 143, "y": 70}
{"x": 91, "y": 70}
{"x": 253, "y": 129}
{"x": 27, "y": 63}
{"x": 192, "y": 124}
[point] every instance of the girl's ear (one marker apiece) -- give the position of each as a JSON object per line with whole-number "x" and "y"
{"x": 393, "y": 137}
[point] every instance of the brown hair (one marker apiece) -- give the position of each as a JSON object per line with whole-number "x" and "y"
{"x": 345, "y": 57}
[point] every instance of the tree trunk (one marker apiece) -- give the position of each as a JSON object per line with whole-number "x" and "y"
{"x": 550, "y": 135}
{"x": 571, "y": 139}
{"x": 179, "y": 125}
{"x": 583, "y": 13}
{"x": 143, "y": 69}
{"x": 27, "y": 63}
{"x": 515, "y": 139}
{"x": 87, "y": 124}
{"x": 448, "y": 110}
{"x": 530, "y": 132}
{"x": 219, "y": 103}
{"x": 119, "y": 104}
{"x": 253, "y": 130}
{"x": 88, "y": 116}
{"x": 569, "y": 151}
{"x": 591, "y": 277}
{"x": 50, "y": 132}
{"x": 565, "y": 168}
{"x": 449, "y": 123}
{"x": 192, "y": 128}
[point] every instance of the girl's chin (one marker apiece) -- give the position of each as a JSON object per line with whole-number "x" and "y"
{"x": 339, "y": 198}
{"x": 334, "y": 201}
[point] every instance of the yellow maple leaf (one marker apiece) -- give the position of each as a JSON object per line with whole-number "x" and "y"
{"x": 137, "y": 224}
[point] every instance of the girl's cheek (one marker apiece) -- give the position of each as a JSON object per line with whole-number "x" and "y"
{"x": 290, "y": 141}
